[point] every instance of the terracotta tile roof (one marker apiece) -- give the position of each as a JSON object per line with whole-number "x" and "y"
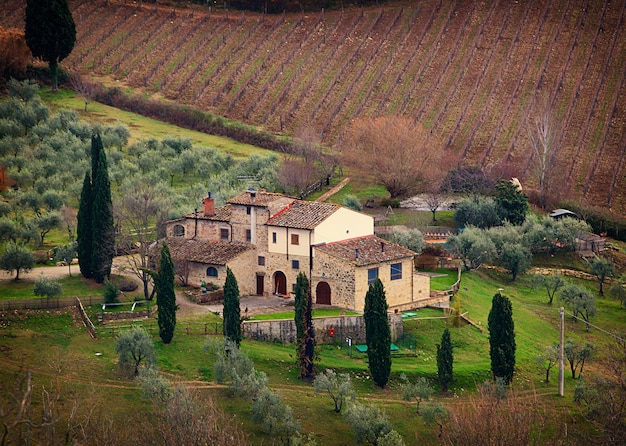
{"x": 272, "y": 201}
{"x": 371, "y": 250}
{"x": 204, "y": 251}
{"x": 259, "y": 198}
{"x": 222, "y": 213}
{"x": 303, "y": 214}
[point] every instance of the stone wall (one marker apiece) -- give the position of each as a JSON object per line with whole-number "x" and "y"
{"x": 120, "y": 315}
{"x": 207, "y": 297}
{"x": 284, "y": 331}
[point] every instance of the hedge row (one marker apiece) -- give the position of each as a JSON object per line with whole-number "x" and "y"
{"x": 191, "y": 118}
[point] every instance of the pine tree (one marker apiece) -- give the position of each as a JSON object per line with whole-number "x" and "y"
{"x": 102, "y": 230}
{"x": 305, "y": 335}
{"x": 83, "y": 229}
{"x": 444, "y": 360}
{"x": 232, "y": 311}
{"x": 377, "y": 333}
{"x": 502, "y": 338}
{"x": 166, "y": 298}
{"x": 50, "y": 32}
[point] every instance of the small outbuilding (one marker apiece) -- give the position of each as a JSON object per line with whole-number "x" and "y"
{"x": 562, "y": 213}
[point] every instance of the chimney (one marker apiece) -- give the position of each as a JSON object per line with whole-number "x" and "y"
{"x": 252, "y": 195}
{"x": 208, "y": 205}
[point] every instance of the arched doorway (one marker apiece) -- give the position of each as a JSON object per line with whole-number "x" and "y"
{"x": 322, "y": 293}
{"x": 280, "y": 283}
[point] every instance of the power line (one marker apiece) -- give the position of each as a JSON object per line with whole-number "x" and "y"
{"x": 596, "y": 327}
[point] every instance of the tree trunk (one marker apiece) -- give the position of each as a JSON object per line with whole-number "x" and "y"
{"x": 54, "y": 73}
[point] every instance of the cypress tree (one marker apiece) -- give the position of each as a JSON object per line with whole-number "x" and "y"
{"x": 305, "y": 335}
{"x": 166, "y": 298}
{"x": 50, "y": 32}
{"x": 83, "y": 229}
{"x": 102, "y": 230}
{"x": 502, "y": 338}
{"x": 96, "y": 148}
{"x": 444, "y": 360}
{"x": 232, "y": 311}
{"x": 377, "y": 333}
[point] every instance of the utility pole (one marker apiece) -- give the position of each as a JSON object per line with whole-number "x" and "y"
{"x": 561, "y": 369}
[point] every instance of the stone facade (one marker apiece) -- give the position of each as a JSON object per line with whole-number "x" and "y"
{"x": 274, "y": 238}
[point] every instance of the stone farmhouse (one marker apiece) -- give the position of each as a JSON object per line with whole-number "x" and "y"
{"x": 266, "y": 239}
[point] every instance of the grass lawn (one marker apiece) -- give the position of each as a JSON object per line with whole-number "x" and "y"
{"x": 52, "y": 344}
{"x": 71, "y": 286}
{"x": 442, "y": 279}
{"x": 141, "y": 127}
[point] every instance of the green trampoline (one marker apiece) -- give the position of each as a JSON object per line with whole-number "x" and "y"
{"x": 363, "y": 348}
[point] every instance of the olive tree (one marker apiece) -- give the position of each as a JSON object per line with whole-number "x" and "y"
{"x": 135, "y": 350}
{"x": 337, "y": 386}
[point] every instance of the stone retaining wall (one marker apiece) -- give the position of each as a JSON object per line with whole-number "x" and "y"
{"x": 208, "y": 297}
{"x": 284, "y": 331}
{"x": 118, "y": 315}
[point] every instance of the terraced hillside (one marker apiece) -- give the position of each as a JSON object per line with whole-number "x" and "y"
{"x": 470, "y": 71}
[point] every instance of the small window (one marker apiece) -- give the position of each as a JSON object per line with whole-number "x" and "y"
{"x": 261, "y": 261}
{"x": 248, "y": 235}
{"x": 211, "y": 271}
{"x": 224, "y": 234}
{"x": 273, "y": 237}
{"x": 295, "y": 239}
{"x": 372, "y": 275}
{"x": 293, "y": 287}
{"x": 179, "y": 231}
{"x": 295, "y": 264}
{"x": 248, "y": 210}
{"x": 396, "y": 271}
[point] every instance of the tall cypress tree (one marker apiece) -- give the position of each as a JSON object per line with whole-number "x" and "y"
{"x": 50, "y": 32}
{"x": 305, "y": 334}
{"x": 232, "y": 311}
{"x": 377, "y": 333}
{"x": 166, "y": 298}
{"x": 96, "y": 148}
{"x": 444, "y": 360}
{"x": 103, "y": 232}
{"x": 83, "y": 229}
{"x": 502, "y": 338}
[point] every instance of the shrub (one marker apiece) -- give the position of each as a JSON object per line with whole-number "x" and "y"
{"x": 352, "y": 202}
{"x": 47, "y": 287}
{"x": 127, "y": 285}
{"x": 111, "y": 292}
{"x": 393, "y": 202}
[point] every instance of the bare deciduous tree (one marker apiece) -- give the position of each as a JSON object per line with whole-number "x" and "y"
{"x": 83, "y": 87}
{"x": 541, "y": 132}
{"x": 309, "y": 162}
{"x": 394, "y": 151}
{"x": 136, "y": 212}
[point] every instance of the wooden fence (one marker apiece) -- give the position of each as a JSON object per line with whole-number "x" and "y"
{"x": 88, "y": 324}
{"x": 48, "y": 304}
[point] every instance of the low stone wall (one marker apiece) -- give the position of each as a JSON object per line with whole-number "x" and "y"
{"x": 208, "y": 297}
{"x": 340, "y": 327}
{"x": 119, "y": 315}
